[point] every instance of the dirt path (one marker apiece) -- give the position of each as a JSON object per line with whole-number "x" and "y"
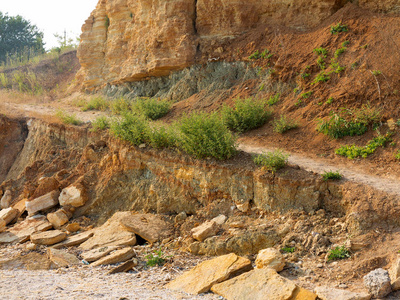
{"x": 389, "y": 185}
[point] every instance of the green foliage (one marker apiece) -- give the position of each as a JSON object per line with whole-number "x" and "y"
{"x": 329, "y": 101}
{"x": 353, "y": 151}
{"x": 247, "y": 114}
{"x": 321, "y": 63}
{"x": 337, "y": 127}
{"x": 107, "y": 22}
{"x": 272, "y": 161}
{"x": 376, "y": 72}
{"x": 306, "y": 95}
{"x": 151, "y": 108}
{"x": 321, "y": 51}
{"x": 266, "y": 54}
{"x": 66, "y": 118}
{"x": 100, "y": 123}
{"x": 157, "y": 258}
{"x": 321, "y": 77}
{"x": 397, "y": 155}
{"x": 162, "y": 137}
{"x": 337, "y": 253}
{"x": 273, "y": 99}
{"x": 16, "y": 36}
{"x": 336, "y": 67}
{"x": 120, "y": 106}
{"x": 340, "y": 51}
{"x": 4, "y": 80}
{"x": 205, "y": 135}
{"x": 331, "y": 175}
{"x": 288, "y": 249}
{"x": 339, "y": 27}
{"x": 255, "y": 55}
{"x": 305, "y": 75}
{"x": 283, "y": 124}
{"x": 345, "y": 43}
{"x": 367, "y": 114}
{"x": 96, "y": 103}
{"x": 131, "y": 128}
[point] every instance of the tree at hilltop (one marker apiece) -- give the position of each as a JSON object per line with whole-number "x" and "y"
{"x": 18, "y": 38}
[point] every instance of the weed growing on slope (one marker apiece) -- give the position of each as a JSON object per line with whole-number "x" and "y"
{"x": 339, "y": 27}
{"x": 120, "y": 106}
{"x": 157, "y": 258}
{"x": 131, "y": 128}
{"x": 397, "y": 155}
{"x": 246, "y": 114}
{"x": 66, "y": 118}
{"x": 337, "y": 253}
{"x": 272, "y": 161}
{"x": 96, "y": 103}
{"x": 162, "y": 137}
{"x": 288, "y": 249}
{"x": 284, "y": 124}
{"x": 321, "y": 77}
{"x": 321, "y": 51}
{"x": 100, "y": 123}
{"x": 331, "y": 175}
{"x": 273, "y": 99}
{"x": 151, "y": 108}
{"x": 337, "y": 127}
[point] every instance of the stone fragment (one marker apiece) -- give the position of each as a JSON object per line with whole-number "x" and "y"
{"x": 31, "y": 246}
{"x": 97, "y": 253}
{"x": 391, "y": 124}
{"x": 74, "y": 240}
{"x": 2, "y": 227}
{"x": 58, "y": 218}
{"x": 205, "y": 230}
{"x": 111, "y": 233}
{"x": 73, "y": 227}
{"x": 22, "y": 231}
{"x": 202, "y": 277}
{"x": 125, "y": 267}
{"x": 303, "y": 294}
{"x": 243, "y": 207}
{"x": 396, "y": 284}
{"x": 394, "y": 271}
{"x": 220, "y": 219}
{"x": 180, "y": 217}
{"x": 115, "y": 257}
{"x": 270, "y": 258}
{"x": 5, "y": 201}
{"x": 74, "y": 196}
{"x": 150, "y": 227}
{"x": 8, "y": 214}
{"x": 48, "y": 237}
{"x": 21, "y": 207}
{"x": 62, "y": 259}
{"x": 257, "y": 284}
{"x": 44, "y": 202}
{"x": 378, "y": 283}
{"x": 327, "y": 293}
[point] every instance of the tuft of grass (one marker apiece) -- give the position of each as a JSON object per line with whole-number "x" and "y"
{"x": 397, "y": 155}
{"x": 353, "y": 151}
{"x": 288, "y": 249}
{"x": 376, "y": 72}
{"x": 367, "y": 115}
{"x": 120, "y": 106}
{"x": 321, "y": 63}
{"x": 273, "y": 99}
{"x": 246, "y": 114}
{"x": 306, "y": 95}
{"x": 272, "y": 161}
{"x": 284, "y": 124}
{"x": 338, "y": 127}
{"x": 337, "y": 253}
{"x": 340, "y": 51}
{"x": 96, "y": 103}
{"x": 157, "y": 258}
{"x": 321, "y": 51}
{"x": 331, "y": 175}
{"x": 339, "y": 27}
{"x": 66, "y": 118}
{"x": 131, "y": 128}
{"x": 321, "y": 77}
{"x": 205, "y": 135}
{"x": 255, "y": 55}
{"x": 151, "y": 108}
{"x": 100, "y": 123}
{"x": 162, "y": 137}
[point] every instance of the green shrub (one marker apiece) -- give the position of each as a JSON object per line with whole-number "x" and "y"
{"x": 120, "y": 106}
{"x": 336, "y": 67}
{"x": 340, "y": 252}
{"x": 205, "y": 135}
{"x": 100, "y": 123}
{"x": 353, "y": 151}
{"x": 151, "y": 108}
{"x": 272, "y": 161}
{"x": 321, "y": 77}
{"x": 321, "y": 63}
{"x": 367, "y": 115}
{"x": 247, "y": 114}
{"x": 131, "y": 128}
{"x": 288, "y": 249}
{"x": 265, "y": 54}
{"x": 162, "y": 137}
{"x": 321, "y": 51}
{"x": 273, "y": 99}
{"x": 255, "y": 55}
{"x": 66, "y": 118}
{"x": 397, "y": 155}
{"x": 331, "y": 176}
{"x": 157, "y": 258}
{"x": 306, "y": 95}
{"x": 337, "y": 127}
{"x": 96, "y": 103}
{"x": 339, "y": 27}
{"x": 282, "y": 124}
{"x": 340, "y": 51}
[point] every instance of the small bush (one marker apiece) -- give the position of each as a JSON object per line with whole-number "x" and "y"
{"x": 96, "y": 103}
{"x": 340, "y": 51}
{"x": 321, "y": 51}
{"x": 353, "y": 151}
{"x": 157, "y": 258}
{"x": 321, "y": 77}
{"x": 397, "y": 155}
{"x": 339, "y": 27}
{"x": 282, "y": 124}
{"x": 272, "y": 161}
{"x": 367, "y": 115}
{"x": 255, "y": 55}
{"x": 331, "y": 176}
{"x": 337, "y": 253}
{"x": 162, "y": 137}
{"x": 321, "y": 63}
{"x": 131, "y": 128}
{"x": 204, "y": 135}
{"x": 336, "y": 67}
{"x": 100, "y": 123}
{"x": 273, "y": 99}
{"x": 151, "y": 108}
{"x": 306, "y": 95}
{"x": 247, "y": 114}
{"x": 66, "y": 118}
{"x": 120, "y": 106}
{"x": 337, "y": 127}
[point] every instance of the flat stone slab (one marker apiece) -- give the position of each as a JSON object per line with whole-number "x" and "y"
{"x": 42, "y": 203}
{"x": 258, "y": 284}
{"x": 8, "y": 214}
{"x": 150, "y": 227}
{"x": 96, "y": 254}
{"x": 2, "y": 225}
{"x": 111, "y": 233}
{"x": 73, "y": 195}
{"x": 115, "y": 257}
{"x": 327, "y": 293}
{"x": 22, "y": 231}
{"x": 74, "y": 240}
{"x": 202, "y": 277}
{"x": 48, "y": 237}
{"x": 125, "y": 267}
{"x": 62, "y": 259}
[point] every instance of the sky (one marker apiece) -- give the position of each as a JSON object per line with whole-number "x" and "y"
{"x": 52, "y": 16}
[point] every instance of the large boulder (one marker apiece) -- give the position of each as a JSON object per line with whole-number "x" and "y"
{"x": 261, "y": 284}
{"x": 378, "y": 283}
{"x": 74, "y": 196}
{"x": 111, "y": 233}
{"x": 270, "y": 258}
{"x": 202, "y": 277}
{"x": 59, "y": 217}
